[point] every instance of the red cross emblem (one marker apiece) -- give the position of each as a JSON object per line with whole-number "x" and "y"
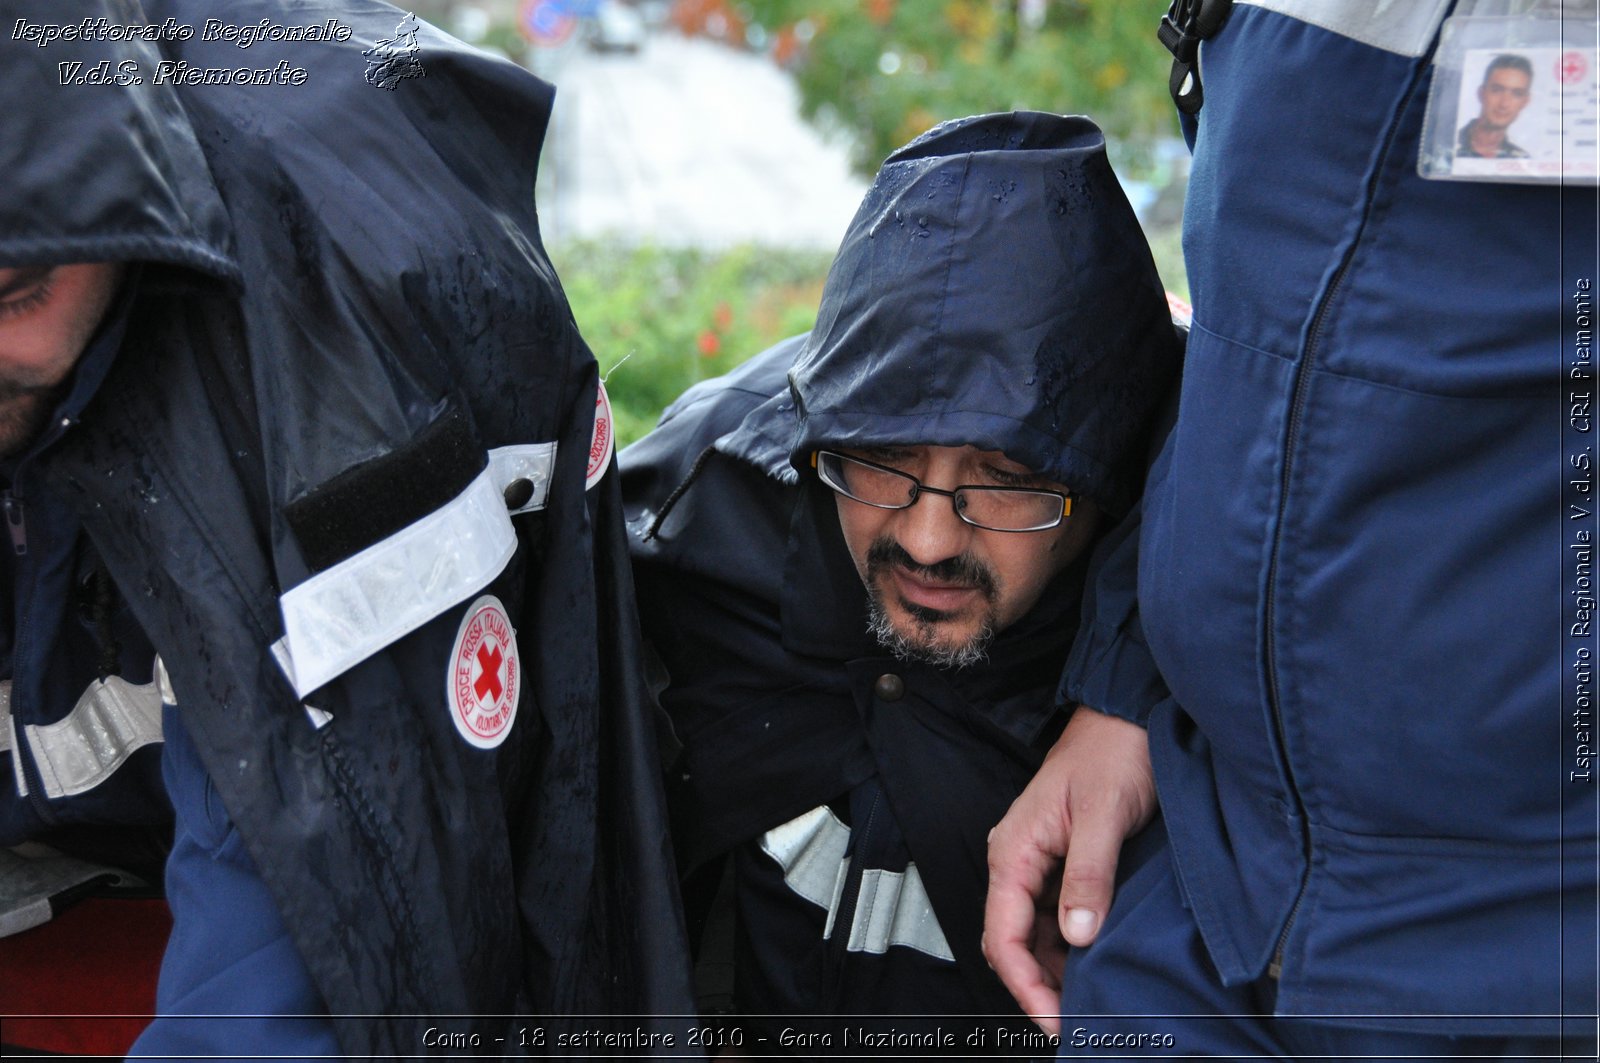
{"x": 1572, "y": 68}
{"x": 485, "y": 680}
{"x": 488, "y": 685}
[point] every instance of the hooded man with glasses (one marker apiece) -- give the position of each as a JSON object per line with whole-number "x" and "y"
{"x": 861, "y": 555}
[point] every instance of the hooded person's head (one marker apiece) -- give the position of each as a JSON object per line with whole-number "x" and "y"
{"x": 95, "y": 175}
{"x": 994, "y": 331}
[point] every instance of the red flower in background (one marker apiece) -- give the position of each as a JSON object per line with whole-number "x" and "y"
{"x": 709, "y": 344}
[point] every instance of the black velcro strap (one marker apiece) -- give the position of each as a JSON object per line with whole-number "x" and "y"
{"x": 371, "y": 501}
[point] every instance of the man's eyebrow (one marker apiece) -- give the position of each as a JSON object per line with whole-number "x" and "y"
{"x": 1022, "y": 473}
{"x": 1007, "y": 465}
{"x": 26, "y": 277}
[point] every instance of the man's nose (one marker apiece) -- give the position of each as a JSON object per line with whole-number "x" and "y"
{"x": 929, "y": 529}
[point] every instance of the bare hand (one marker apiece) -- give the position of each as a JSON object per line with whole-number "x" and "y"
{"x": 1053, "y": 858}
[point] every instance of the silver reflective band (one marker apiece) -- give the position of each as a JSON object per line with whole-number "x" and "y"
{"x": 892, "y": 907}
{"x": 810, "y": 848}
{"x": 111, "y": 720}
{"x": 163, "y": 683}
{"x": 343, "y": 615}
{"x": 16, "y": 757}
{"x": 533, "y": 462}
{"x": 1404, "y": 27}
{"x": 8, "y": 740}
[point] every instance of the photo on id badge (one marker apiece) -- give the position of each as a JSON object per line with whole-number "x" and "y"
{"x": 1520, "y": 109}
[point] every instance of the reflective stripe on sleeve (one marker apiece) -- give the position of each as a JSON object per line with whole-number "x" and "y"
{"x": 1404, "y": 27}
{"x": 345, "y": 614}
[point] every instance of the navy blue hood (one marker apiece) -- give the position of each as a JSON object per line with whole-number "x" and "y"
{"x": 100, "y": 172}
{"x": 994, "y": 289}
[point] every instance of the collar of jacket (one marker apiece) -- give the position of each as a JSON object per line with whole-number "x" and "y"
{"x": 824, "y": 614}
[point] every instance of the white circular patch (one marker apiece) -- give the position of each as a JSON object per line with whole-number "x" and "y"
{"x": 485, "y": 680}
{"x": 604, "y": 440}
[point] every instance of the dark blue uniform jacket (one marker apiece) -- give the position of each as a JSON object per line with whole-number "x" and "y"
{"x": 1365, "y": 571}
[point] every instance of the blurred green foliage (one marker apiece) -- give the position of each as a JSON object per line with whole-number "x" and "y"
{"x": 885, "y": 70}
{"x": 664, "y": 318}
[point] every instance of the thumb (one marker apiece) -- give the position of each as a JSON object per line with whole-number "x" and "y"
{"x": 1087, "y": 877}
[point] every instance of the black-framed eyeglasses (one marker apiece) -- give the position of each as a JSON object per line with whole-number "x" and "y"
{"x": 1005, "y": 509}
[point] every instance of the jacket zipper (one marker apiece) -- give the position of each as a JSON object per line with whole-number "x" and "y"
{"x": 21, "y": 650}
{"x": 1296, "y": 412}
{"x": 16, "y": 522}
{"x": 844, "y": 919}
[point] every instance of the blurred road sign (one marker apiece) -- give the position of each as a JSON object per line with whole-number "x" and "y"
{"x": 546, "y": 22}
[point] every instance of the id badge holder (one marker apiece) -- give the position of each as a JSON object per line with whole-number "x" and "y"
{"x": 1516, "y": 94}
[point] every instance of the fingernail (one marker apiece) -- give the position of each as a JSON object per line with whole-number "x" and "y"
{"x": 1082, "y": 923}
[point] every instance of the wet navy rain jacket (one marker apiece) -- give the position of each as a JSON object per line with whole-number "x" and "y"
{"x": 343, "y": 308}
{"x": 993, "y": 290}
{"x": 1372, "y": 762}
{"x": 65, "y": 629}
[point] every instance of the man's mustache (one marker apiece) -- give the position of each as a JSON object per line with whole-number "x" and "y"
{"x": 961, "y": 569}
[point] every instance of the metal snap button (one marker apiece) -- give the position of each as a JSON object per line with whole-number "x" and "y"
{"x": 518, "y": 493}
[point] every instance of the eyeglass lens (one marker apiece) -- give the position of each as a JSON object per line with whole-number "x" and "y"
{"x": 1000, "y": 508}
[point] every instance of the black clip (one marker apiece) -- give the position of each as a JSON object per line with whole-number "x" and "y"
{"x": 1183, "y": 27}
